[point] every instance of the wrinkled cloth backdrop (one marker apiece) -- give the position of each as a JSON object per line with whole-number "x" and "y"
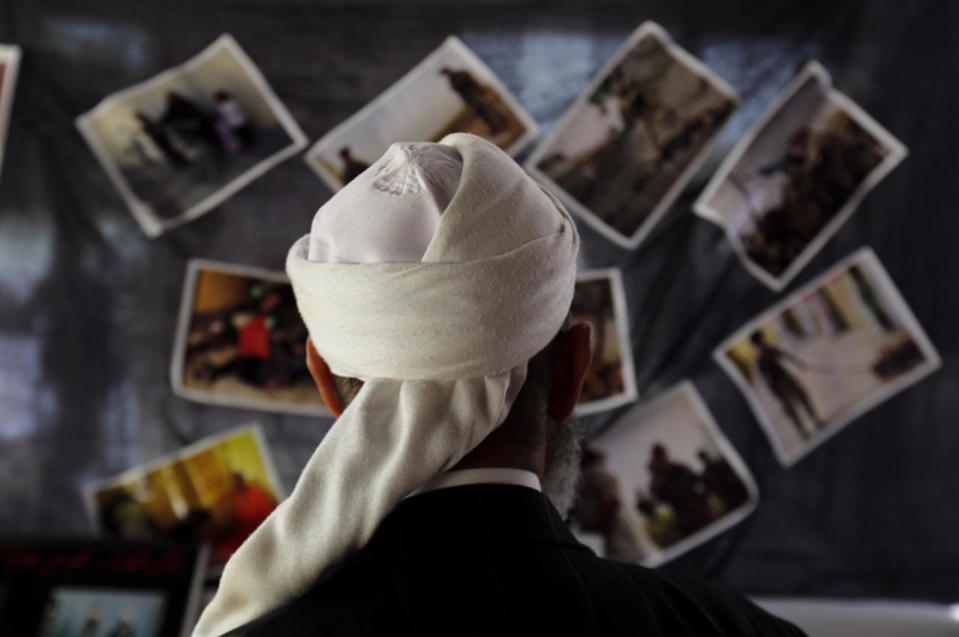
{"x": 88, "y": 304}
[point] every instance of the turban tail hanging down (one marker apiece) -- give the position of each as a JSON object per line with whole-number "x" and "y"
{"x": 434, "y": 276}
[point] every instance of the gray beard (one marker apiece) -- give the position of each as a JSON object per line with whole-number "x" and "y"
{"x": 561, "y": 472}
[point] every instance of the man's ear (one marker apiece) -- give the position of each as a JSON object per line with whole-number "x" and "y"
{"x": 323, "y": 378}
{"x": 574, "y": 352}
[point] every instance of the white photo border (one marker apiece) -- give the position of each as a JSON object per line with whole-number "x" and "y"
{"x": 410, "y": 77}
{"x": 695, "y": 65}
{"x": 141, "y": 211}
{"x": 177, "y": 360}
{"x": 621, "y": 316}
{"x": 896, "y": 152}
{"x": 10, "y": 55}
{"x": 890, "y": 294}
{"x": 191, "y": 610}
{"x": 686, "y": 390}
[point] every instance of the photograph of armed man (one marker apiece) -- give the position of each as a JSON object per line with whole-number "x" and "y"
{"x": 450, "y": 91}
{"x": 826, "y": 354}
{"x": 436, "y": 288}
{"x": 797, "y": 176}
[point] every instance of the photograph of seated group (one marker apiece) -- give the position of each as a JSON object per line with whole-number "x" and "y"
{"x": 366, "y": 318}
{"x": 241, "y": 342}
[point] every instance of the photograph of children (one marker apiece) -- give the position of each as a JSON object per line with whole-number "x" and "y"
{"x": 9, "y": 63}
{"x": 827, "y": 354}
{"x": 599, "y": 300}
{"x": 450, "y": 91}
{"x": 660, "y": 481}
{"x": 629, "y": 144}
{"x": 797, "y": 176}
{"x": 102, "y": 612}
{"x": 177, "y": 145}
{"x": 240, "y": 341}
{"x": 217, "y": 490}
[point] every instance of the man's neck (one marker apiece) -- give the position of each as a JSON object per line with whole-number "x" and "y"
{"x": 488, "y": 475}
{"x": 502, "y": 457}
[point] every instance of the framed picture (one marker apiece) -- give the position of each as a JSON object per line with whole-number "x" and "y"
{"x": 97, "y": 588}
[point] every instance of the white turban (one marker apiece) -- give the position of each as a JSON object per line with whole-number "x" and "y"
{"x": 480, "y": 275}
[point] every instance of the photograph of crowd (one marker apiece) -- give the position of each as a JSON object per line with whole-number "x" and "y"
{"x": 830, "y": 352}
{"x": 217, "y": 490}
{"x": 450, "y": 91}
{"x": 599, "y": 300}
{"x": 102, "y": 612}
{"x": 660, "y": 481}
{"x": 629, "y": 144}
{"x": 241, "y": 342}
{"x": 794, "y": 179}
{"x": 9, "y": 63}
{"x": 179, "y": 144}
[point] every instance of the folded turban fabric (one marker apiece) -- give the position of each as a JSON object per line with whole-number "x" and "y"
{"x": 434, "y": 276}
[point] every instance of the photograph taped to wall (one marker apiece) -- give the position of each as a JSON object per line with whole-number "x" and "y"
{"x": 660, "y": 481}
{"x": 610, "y": 381}
{"x": 241, "y": 342}
{"x": 177, "y": 145}
{"x": 628, "y": 145}
{"x": 102, "y": 612}
{"x": 830, "y": 352}
{"x": 792, "y": 181}
{"x": 9, "y": 65}
{"x": 450, "y": 91}
{"x": 217, "y": 490}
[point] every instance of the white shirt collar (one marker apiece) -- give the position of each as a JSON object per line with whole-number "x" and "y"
{"x": 491, "y": 475}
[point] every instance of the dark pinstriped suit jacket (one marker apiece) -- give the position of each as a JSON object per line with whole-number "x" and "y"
{"x": 498, "y": 560}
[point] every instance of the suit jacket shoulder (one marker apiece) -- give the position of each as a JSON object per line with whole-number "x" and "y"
{"x": 498, "y": 560}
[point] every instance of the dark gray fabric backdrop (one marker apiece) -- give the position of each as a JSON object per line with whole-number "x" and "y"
{"x": 88, "y": 303}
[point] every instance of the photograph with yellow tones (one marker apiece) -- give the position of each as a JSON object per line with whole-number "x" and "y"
{"x": 216, "y": 490}
{"x": 831, "y": 351}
